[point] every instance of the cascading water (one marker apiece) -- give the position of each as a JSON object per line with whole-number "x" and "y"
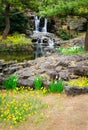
{"x": 44, "y": 29}
{"x": 42, "y": 36}
{"x": 37, "y": 22}
{"x": 51, "y": 43}
{"x": 39, "y": 48}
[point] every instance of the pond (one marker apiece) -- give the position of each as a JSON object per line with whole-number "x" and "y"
{"x": 19, "y": 56}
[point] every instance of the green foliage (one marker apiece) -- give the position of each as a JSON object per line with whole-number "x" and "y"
{"x": 56, "y": 86}
{"x": 38, "y": 82}
{"x": 15, "y": 110}
{"x": 11, "y": 82}
{"x": 18, "y": 22}
{"x": 70, "y": 50}
{"x": 2, "y": 21}
{"x": 17, "y": 38}
{"x": 63, "y": 7}
{"x": 65, "y": 34}
{"x": 81, "y": 82}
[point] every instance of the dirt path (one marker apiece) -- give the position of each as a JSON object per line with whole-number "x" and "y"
{"x": 68, "y": 113}
{"x": 65, "y": 113}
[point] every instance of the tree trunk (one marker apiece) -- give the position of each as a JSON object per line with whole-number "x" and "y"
{"x": 7, "y": 20}
{"x": 86, "y": 39}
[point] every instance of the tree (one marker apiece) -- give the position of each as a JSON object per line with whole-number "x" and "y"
{"x": 7, "y": 5}
{"x": 62, "y": 8}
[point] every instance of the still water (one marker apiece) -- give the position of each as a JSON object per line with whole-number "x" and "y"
{"x": 19, "y": 56}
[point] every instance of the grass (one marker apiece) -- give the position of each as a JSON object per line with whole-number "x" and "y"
{"x": 46, "y": 110}
{"x": 56, "y": 86}
{"x": 38, "y": 82}
{"x": 16, "y": 106}
{"x": 71, "y": 50}
{"x": 11, "y": 82}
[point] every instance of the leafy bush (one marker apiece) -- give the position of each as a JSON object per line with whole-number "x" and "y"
{"x": 64, "y": 34}
{"x": 70, "y": 50}
{"x": 11, "y": 82}
{"x": 38, "y": 82}
{"x": 56, "y": 86}
{"x": 17, "y": 38}
{"x": 81, "y": 82}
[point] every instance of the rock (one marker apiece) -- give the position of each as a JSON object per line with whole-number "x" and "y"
{"x": 1, "y": 69}
{"x": 46, "y": 83}
{"x": 80, "y": 70}
{"x": 50, "y": 68}
{"x": 77, "y": 24}
{"x": 1, "y": 80}
{"x": 28, "y": 82}
{"x": 74, "y": 90}
{"x": 53, "y": 74}
{"x": 64, "y": 74}
{"x": 2, "y": 61}
{"x": 11, "y": 70}
{"x": 85, "y": 90}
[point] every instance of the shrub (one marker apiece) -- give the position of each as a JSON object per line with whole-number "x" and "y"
{"x": 17, "y": 38}
{"x": 11, "y": 82}
{"x": 81, "y": 82}
{"x": 70, "y": 50}
{"x": 64, "y": 34}
{"x": 56, "y": 86}
{"x": 38, "y": 82}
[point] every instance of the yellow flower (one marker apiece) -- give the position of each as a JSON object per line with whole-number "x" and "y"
{"x": 10, "y": 126}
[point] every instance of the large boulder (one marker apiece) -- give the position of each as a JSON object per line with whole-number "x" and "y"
{"x": 75, "y": 90}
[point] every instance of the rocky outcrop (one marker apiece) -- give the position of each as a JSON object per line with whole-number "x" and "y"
{"x": 51, "y": 67}
{"x": 61, "y": 66}
{"x": 77, "y": 24}
{"x": 74, "y": 90}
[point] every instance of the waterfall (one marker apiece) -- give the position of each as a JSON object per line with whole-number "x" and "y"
{"x": 44, "y": 29}
{"x": 39, "y": 49}
{"x": 44, "y": 41}
{"x": 37, "y": 22}
{"x": 51, "y": 43}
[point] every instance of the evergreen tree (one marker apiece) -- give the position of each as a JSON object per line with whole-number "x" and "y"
{"x": 7, "y": 5}
{"x": 62, "y": 8}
